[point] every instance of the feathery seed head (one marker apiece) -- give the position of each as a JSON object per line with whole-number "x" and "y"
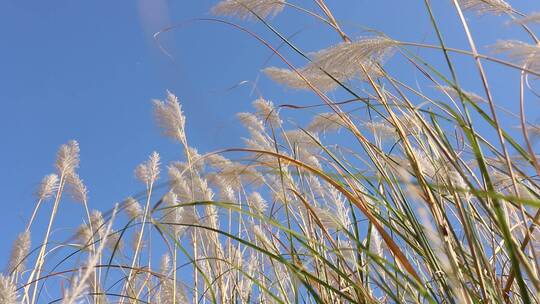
{"x": 49, "y": 184}
{"x": 67, "y": 158}
{"x": 148, "y": 172}
{"x": 534, "y": 130}
{"x": 87, "y": 232}
{"x": 133, "y": 208}
{"x": 165, "y": 264}
{"x": 325, "y": 122}
{"x": 19, "y": 252}
{"x": 267, "y": 112}
{"x": 260, "y": 236}
{"x": 226, "y": 193}
{"x": 168, "y": 290}
{"x": 382, "y": 130}
{"x": 258, "y": 140}
{"x": 244, "y": 9}
{"x": 452, "y": 92}
{"x": 173, "y": 214}
{"x": 170, "y": 199}
{"x": 218, "y": 161}
{"x": 135, "y": 239}
{"x": 301, "y": 140}
{"x": 349, "y": 55}
{"x": 343, "y": 62}
{"x": 211, "y": 217}
{"x": 532, "y": 18}
{"x": 249, "y": 120}
{"x": 114, "y": 242}
{"x": 375, "y": 242}
{"x": 293, "y": 80}
{"x": 170, "y": 117}
{"x": 96, "y": 219}
{"x": 523, "y": 53}
{"x": 327, "y": 218}
{"x": 196, "y": 160}
{"x": 257, "y": 202}
{"x": 8, "y": 291}
{"x": 496, "y": 7}
{"x": 84, "y": 235}
{"x": 347, "y": 251}
{"x": 77, "y": 188}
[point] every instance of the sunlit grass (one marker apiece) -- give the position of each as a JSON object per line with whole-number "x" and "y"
{"x": 398, "y": 194}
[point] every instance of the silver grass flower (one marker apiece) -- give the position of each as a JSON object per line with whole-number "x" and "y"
{"x": 148, "y": 172}
{"x": 534, "y": 130}
{"x": 348, "y": 57}
{"x": 49, "y": 184}
{"x": 133, "y": 209}
{"x": 179, "y": 184}
{"x": 196, "y": 161}
{"x": 532, "y": 18}
{"x": 114, "y": 242}
{"x": 426, "y": 162}
{"x": 170, "y": 117}
{"x": 342, "y": 209}
{"x": 218, "y": 161}
{"x": 83, "y": 235}
{"x": 232, "y": 174}
{"x": 486, "y": 6}
{"x": 77, "y": 188}
{"x": 134, "y": 240}
{"x": 204, "y": 192}
{"x": 327, "y": 218}
{"x": 452, "y": 92}
{"x": 375, "y": 243}
{"x": 347, "y": 251}
{"x": 173, "y": 214}
{"x": 236, "y": 257}
{"x": 382, "y": 130}
{"x": 325, "y": 122}
{"x": 19, "y": 252}
{"x": 211, "y": 216}
{"x": 249, "y": 120}
{"x": 291, "y": 78}
{"x": 67, "y": 158}
{"x": 8, "y": 291}
{"x": 266, "y": 111}
{"x": 260, "y": 236}
{"x": 168, "y": 295}
{"x": 309, "y": 159}
{"x": 165, "y": 264}
{"x": 245, "y": 9}
{"x": 343, "y": 62}
{"x": 87, "y": 232}
{"x": 252, "y": 268}
{"x": 76, "y": 294}
{"x": 258, "y": 140}
{"x": 300, "y": 140}
{"x": 80, "y": 283}
{"x": 257, "y": 202}
{"x": 97, "y": 221}
{"x": 226, "y": 192}
{"x": 523, "y": 53}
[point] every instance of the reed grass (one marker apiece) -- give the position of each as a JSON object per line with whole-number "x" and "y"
{"x": 395, "y": 195}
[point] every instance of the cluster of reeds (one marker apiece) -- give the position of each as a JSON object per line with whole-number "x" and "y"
{"x": 395, "y": 195}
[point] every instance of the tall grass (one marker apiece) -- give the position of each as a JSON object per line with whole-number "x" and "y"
{"x": 424, "y": 197}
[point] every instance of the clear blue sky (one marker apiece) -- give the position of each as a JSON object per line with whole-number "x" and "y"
{"x": 87, "y": 70}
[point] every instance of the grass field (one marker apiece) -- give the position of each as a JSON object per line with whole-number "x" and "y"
{"x": 401, "y": 193}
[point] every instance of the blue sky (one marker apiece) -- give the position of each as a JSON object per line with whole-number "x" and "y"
{"x": 87, "y": 70}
